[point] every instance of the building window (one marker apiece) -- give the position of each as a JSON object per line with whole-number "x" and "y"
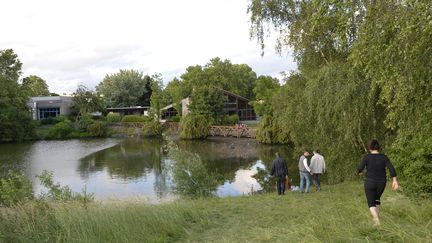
{"x": 48, "y": 112}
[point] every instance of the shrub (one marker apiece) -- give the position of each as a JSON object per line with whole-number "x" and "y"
{"x": 48, "y": 121}
{"x": 134, "y": 118}
{"x": 15, "y": 188}
{"x": 195, "y": 126}
{"x": 175, "y": 118}
{"x": 412, "y": 159}
{"x": 61, "y": 130}
{"x": 113, "y": 117}
{"x": 230, "y": 120}
{"x": 84, "y": 121}
{"x": 58, "y": 193}
{"x": 191, "y": 178}
{"x": 97, "y": 129}
{"x": 152, "y": 129}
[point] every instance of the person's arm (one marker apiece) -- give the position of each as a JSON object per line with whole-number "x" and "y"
{"x": 306, "y": 165}
{"x": 395, "y": 184}
{"x": 273, "y": 169}
{"x": 361, "y": 166}
{"x": 324, "y": 166}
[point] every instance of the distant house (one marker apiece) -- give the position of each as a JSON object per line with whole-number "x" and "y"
{"x": 234, "y": 104}
{"x": 133, "y": 110}
{"x": 49, "y": 106}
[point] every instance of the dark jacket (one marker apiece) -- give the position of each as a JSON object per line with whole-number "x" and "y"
{"x": 279, "y": 168}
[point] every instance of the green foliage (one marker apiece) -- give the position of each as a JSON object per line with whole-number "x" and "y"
{"x": 195, "y": 126}
{"x": 208, "y": 101}
{"x": 83, "y": 122}
{"x": 61, "y": 130}
{"x": 15, "y": 120}
{"x": 15, "y": 188}
{"x": 158, "y": 98}
{"x": 230, "y": 120}
{"x": 113, "y": 117}
{"x": 97, "y": 129}
{"x": 264, "y": 89}
{"x": 134, "y": 118}
{"x": 126, "y": 88}
{"x": 232, "y": 219}
{"x": 266, "y": 181}
{"x": 191, "y": 178}
{"x": 35, "y": 86}
{"x": 58, "y": 193}
{"x": 86, "y": 101}
{"x": 152, "y": 128}
{"x": 237, "y": 78}
{"x": 363, "y": 73}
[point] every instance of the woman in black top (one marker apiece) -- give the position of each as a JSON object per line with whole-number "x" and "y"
{"x": 375, "y": 181}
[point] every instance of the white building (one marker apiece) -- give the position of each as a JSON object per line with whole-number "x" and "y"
{"x": 49, "y": 106}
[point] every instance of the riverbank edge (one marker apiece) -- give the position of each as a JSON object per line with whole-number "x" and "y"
{"x": 336, "y": 214}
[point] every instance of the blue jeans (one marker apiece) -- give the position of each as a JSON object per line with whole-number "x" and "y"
{"x": 304, "y": 176}
{"x": 317, "y": 181}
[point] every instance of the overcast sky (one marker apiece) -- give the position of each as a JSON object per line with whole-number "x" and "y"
{"x": 80, "y": 41}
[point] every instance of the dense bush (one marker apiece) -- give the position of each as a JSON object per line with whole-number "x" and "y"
{"x": 195, "y": 126}
{"x": 152, "y": 129}
{"x": 97, "y": 129}
{"x": 61, "y": 130}
{"x": 113, "y": 117}
{"x": 48, "y": 121}
{"x": 15, "y": 188}
{"x": 83, "y": 122}
{"x": 134, "y": 118}
{"x": 230, "y": 120}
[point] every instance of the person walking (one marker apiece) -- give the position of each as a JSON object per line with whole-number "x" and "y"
{"x": 375, "y": 181}
{"x": 280, "y": 171}
{"x": 304, "y": 171}
{"x": 317, "y": 167}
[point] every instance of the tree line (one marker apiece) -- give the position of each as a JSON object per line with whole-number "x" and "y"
{"x": 364, "y": 71}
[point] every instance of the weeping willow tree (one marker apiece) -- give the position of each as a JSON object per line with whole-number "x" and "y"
{"x": 364, "y": 72}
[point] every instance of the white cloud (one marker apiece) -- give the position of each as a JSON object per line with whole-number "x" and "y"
{"x": 73, "y": 42}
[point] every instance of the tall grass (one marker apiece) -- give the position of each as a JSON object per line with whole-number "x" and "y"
{"x": 336, "y": 214}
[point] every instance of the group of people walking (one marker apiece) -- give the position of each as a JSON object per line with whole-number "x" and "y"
{"x": 315, "y": 168}
{"x": 374, "y": 184}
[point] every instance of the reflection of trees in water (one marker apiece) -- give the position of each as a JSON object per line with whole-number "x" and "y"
{"x": 129, "y": 160}
{"x": 13, "y": 156}
{"x": 133, "y": 159}
{"x": 224, "y": 157}
{"x": 267, "y": 155}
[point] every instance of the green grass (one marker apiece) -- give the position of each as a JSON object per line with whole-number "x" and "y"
{"x": 336, "y": 214}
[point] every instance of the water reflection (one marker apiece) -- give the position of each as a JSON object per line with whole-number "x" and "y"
{"x": 112, "y": 168}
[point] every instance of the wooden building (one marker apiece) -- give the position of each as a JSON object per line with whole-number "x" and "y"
{"x": 133, "y": 110}
{"x": 234, "y": 104}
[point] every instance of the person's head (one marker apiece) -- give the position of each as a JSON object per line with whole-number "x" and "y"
{"x": 306, "y": 153}
{"x": 277, "y": 154}
{"x": 374, "y": 145}
{"x": 316, "y": 151}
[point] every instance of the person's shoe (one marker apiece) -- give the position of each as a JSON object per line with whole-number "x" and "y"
{"x": 318, "y": 189}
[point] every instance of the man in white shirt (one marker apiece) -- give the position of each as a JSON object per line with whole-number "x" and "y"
{"x": 317, "y": 167}
{"x": 304, "y": 171}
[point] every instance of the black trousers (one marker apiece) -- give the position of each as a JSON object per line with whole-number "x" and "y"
{"x": 281, "y": 185}
{"x": 373, "y": 191}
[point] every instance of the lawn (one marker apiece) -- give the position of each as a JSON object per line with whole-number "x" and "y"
{"x": 336, "y": 214}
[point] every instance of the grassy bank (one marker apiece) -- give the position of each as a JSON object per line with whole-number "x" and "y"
{"x": 337, "y": 214}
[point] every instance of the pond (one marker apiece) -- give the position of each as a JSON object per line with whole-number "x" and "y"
{"x": 139, "y": 168}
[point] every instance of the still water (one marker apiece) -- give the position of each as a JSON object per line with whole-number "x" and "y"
{"x": 139, "y": 168}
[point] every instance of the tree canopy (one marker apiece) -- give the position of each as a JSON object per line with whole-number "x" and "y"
{"x": 15, "y": 121}
{"x": 126, "y": 88}
{"x": 35, "y": 86}
{"x": 364, "y": 72}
